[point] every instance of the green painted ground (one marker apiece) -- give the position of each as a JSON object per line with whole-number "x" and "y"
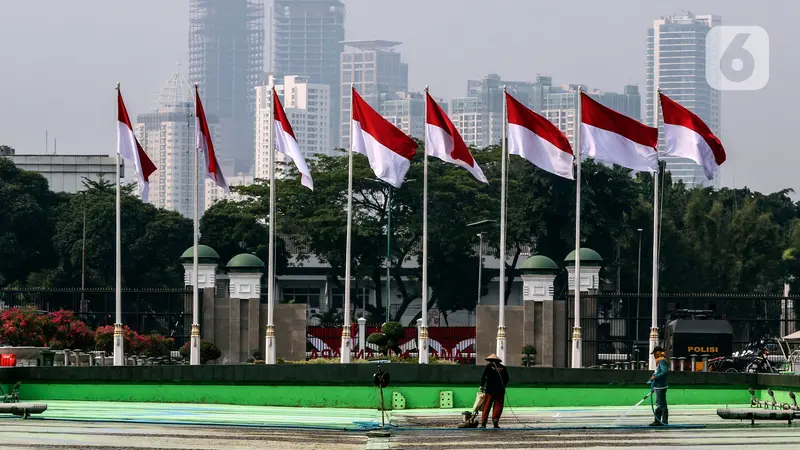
{"x": 366, "y": 397}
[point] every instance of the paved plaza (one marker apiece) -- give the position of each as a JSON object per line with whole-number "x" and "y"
{"x": 105, "y": 425}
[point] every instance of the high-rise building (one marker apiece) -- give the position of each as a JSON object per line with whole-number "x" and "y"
{"x": 308, "y": 108}
{"x": 307, "y": 38}
{"x": 406, "y": 111}
{"x": 676, "y": 64}
{"x": 215, "y": 193}
{"x": 376, "y": 69}
{"x": 167, "y": 135}
{"x": 559, "y": 105}
{"x": 226, "y": 58}
{"x": 466, "y": 116}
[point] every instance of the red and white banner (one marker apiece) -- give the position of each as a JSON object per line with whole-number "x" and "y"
{"x": 611, "y": 137}
{"x": 534, "y": 138}
{"x": 204, "y": 144}
{"x": 388, "y": 149}
{"x": 129, "y": 148}
{"x": 443, "y": 140}
{"x": 687, "y": 136}
{"x": 286, "y": 142}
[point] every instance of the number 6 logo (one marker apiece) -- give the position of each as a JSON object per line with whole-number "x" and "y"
{"x": 737, "y": 58}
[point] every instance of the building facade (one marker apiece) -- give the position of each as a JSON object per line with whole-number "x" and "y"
{"x": 226, "y": 59}
{"x": 676, "y": 64}
{"x": 375, "y": 69}
{"x": 167, "y": 135}
{"x": 406, "y": 111}
{"x": 308, "y": 108}
{"x": 68, "y": 173}
{"x": 214, "y": 193}
{"x": 307, "y": 38}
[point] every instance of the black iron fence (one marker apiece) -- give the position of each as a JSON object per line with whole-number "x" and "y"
{"x": 616, "y": 327}
{"x": 165, "y": 311}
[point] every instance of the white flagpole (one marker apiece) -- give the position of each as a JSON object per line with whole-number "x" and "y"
{"x": 119, "y": 350}
{"x": 194, "y": 353}
{"x": 271, "y": 356}
{"x": 423, "y": 330}
{"x": 577, "y": 343}
{"x": 501, "y": 326}
{"x": 656, "y": 220}
{"x": 345, "y": 350}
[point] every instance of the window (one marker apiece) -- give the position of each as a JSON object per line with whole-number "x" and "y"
{"x": 309, "y": 296}
{"x": 356, "y": 299}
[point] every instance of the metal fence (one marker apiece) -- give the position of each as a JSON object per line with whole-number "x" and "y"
{"x": 164, "y": 311}
{"x": 616, "y": 327}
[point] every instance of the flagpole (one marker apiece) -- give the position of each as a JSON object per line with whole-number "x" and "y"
{"x": 577, "y": 343}
{"x": 656, "y": 220}
{"x": 194, "y": 354}
{"x": 271, "y": 356}
{"x": 345, "y": 350}
{"x": 422, "y": 346}
{"x": 119, "y": 350}
{"x": 501, "y": 326}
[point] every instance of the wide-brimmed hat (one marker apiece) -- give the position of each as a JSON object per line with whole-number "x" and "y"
{"x": 493, "y": 357}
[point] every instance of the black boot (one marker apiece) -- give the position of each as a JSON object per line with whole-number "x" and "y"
{"x": 665, "y": 417}
{"x": 496, "y": 423}
{"x": 483, "y": 424}
{"x": 658, "y": 414}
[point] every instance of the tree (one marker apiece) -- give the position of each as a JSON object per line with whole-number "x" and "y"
{"x": 232, "y": 228}
{"x": 144, "y": 229}
{"x": 27, "y": 205}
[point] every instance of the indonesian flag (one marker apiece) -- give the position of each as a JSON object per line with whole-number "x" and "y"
{"x": 129, "y": 148}
{"x": 536, "y": 139}
{"x": 388, "y": 149}
{"x": 609, "y": 136}
{"x": 689, "y": 137}
{"x": 287, "y": 143}
{"x": 443, "y": 141}
{"x": 204, "y": 144}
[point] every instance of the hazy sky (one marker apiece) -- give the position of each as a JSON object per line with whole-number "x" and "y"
{"x": 60, "y": 61}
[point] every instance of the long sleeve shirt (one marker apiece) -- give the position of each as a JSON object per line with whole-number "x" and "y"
{"x": 494, "y": 379}
{"x": 660, "y": 374}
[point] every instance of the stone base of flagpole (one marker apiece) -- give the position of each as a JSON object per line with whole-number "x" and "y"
{"x": 345, "y": 351}
{"x": 501, "y": 344}
{"x": 653, "y": 344}
{"x": 422, "y": 345}
{"x": 577, "y": 348}
{"x": 194, "y": 346}
{"x": 119, "y": 346}
{"x": 269, "y": 344}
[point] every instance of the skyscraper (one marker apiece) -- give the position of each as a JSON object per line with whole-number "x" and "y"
{"x": 676, "y": 64}
{"x": 307, "y": 40}
{"x": 376, "y": 69}
{"x": 226, "y": 58}
{"x": 167, "y": 134}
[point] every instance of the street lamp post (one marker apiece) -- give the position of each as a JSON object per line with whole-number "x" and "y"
{"x": 638, "y": 282}
{"x": 482, "y": 225}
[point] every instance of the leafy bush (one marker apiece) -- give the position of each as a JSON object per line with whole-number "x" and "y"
{"x": 528, "y": 356}
{"x": 23, "y": 327}
{"x": 208, "y": 351}
{"x": 63, "y": 331}
{"x": 156, "y": 345}
{"x": 104, "y": 339}
{"x": 388, "y": 338}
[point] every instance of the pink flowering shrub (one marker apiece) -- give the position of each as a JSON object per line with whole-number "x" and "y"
{"x": 23, "y": 327}
{"x": 64, "y": 331}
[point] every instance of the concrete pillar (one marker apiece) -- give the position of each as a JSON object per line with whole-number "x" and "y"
{"x": 362, "y": 335}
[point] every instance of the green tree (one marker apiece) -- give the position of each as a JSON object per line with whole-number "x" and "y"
{"x": 27, "y": 205}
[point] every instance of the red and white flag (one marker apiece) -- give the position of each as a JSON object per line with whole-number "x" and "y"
{"x": 129, "y": 148}
{"x": 689, "y": 137}
{"x": 536, "y": 139}
{"x": 204, "y": 144}
{"x": 286, "y": 142}
{"x": 443, "y": 140}
{"x": 609, "y": 136}
{"x": 388, "y": 149}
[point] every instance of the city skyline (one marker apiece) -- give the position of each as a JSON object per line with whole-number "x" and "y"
{"x": 752, "y": 141}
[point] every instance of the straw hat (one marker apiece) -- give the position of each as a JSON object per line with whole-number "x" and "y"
{"x": 493, "y": 357}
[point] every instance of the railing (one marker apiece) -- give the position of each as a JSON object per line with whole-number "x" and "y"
{"x": 165, "y": 311}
